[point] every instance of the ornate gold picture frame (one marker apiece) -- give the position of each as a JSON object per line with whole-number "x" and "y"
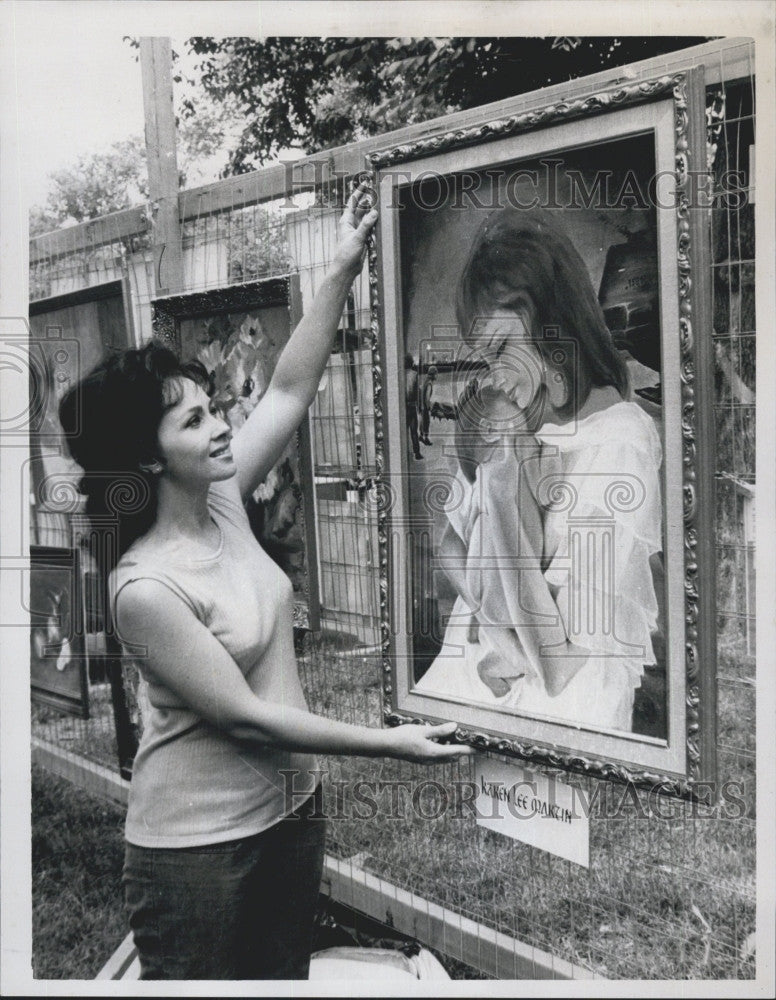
{"x": 622, "y": 482}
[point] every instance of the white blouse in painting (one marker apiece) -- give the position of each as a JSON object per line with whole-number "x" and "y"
{"x": 598, "y": 488}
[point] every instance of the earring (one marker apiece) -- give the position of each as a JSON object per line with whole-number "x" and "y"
{"x": 154, "y": 468}
{"x": 556, "y": 389}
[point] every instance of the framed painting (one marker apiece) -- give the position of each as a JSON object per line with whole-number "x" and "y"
{"x": 542, "y": 369}
{"x": 58, "y": 666}
{"x": 238, "y": 334}
{"x": 69, "y": 335}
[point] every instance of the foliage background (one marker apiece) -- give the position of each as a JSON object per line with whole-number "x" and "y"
{"x": 241, "y": 102}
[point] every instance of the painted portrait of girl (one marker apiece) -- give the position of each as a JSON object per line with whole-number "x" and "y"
{"x": 552, "y": 545}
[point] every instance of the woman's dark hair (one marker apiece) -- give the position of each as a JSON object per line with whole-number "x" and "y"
{"x": 520, "y": 260}
{"x": 111, "y": 418}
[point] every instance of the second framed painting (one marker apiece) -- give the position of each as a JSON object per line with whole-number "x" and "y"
{"x": 545, "y": 453}
{"x": 238, "y": 334}
{"x": 58, "y": 663}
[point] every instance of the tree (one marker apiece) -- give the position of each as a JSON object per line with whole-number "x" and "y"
{"x": 250, "y": 99}
{"x": 105, "y": 182}
{"x": 94, "y": 185}
{"x": 317, "y": 93}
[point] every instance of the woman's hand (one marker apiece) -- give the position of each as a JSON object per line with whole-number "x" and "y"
{"x": 298, "y": 371}
{"x": 419, "y": 743}
{"x": 355, "y": 225}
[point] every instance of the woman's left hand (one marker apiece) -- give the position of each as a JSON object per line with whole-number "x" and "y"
{"x": 355, "y": 225}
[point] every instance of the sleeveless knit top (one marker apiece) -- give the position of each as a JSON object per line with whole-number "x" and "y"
{"x": 191, "y": 784}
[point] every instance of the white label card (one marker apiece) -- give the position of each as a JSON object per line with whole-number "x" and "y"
{"x": 533, "y": 808}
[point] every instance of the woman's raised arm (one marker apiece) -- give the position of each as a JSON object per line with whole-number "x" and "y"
{"x": 261, "y": 440}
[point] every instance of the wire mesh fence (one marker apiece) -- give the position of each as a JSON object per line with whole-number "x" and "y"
{"x": 670, "y": 892}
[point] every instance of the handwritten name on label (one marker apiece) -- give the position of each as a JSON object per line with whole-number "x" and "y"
{"x": 524, "y": 802}
{"x": 533, "y": 808}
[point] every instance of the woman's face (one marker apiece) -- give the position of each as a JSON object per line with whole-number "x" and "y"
{"x": 515, "y": 366}
{"x": 194, "y": 440}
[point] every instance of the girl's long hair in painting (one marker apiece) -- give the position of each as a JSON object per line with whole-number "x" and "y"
{"x": 111, "y": 419}
{"x": 520, "y": 260}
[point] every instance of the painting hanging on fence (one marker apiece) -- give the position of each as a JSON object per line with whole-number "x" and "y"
{"x": 546, "y": 496}
{"x": 238, "y": 334}
{"x": 70, "y": 334}
{"x": 58, "y": 669}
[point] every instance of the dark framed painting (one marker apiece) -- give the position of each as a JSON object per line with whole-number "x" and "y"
{"x": 58, "y": 664}
{"x": 542, "y": 369}
{"x": 70, "y": 334}
{"x": 238, "y": 334}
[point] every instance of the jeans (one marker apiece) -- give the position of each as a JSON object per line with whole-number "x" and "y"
{"x": 241, "y": 909}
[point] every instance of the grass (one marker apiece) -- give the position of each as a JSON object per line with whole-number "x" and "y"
{"x": 78, "y": 917}
{"x": 666, "y": 897}
{"x": 669, "y": 896}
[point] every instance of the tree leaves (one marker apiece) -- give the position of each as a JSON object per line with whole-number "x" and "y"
{"x": 315, "y": 93}
{"x": 116, "y": 179}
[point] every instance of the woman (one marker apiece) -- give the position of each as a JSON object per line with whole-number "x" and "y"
{"x": 559, "y": 480}
{"x": 224, "y": 853}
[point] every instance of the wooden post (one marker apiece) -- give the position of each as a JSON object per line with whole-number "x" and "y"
{"x": 156, "y": 66}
